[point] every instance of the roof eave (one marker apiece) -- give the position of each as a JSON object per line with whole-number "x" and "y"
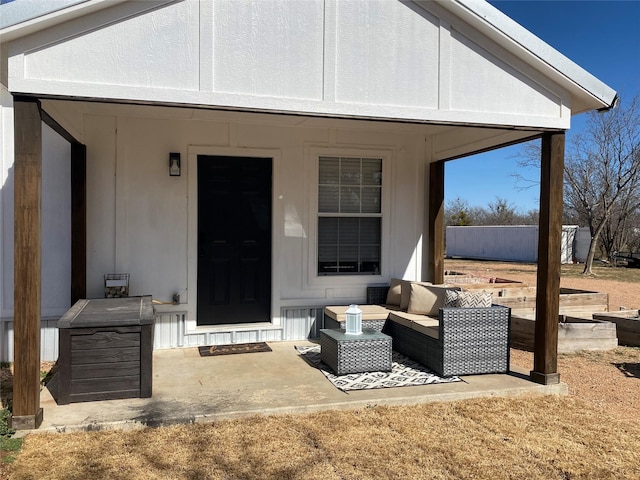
{"x": 589, "y": 92}
{"x": 56, "y": 17}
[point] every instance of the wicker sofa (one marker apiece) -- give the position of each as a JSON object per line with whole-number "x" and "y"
{"x": 459, "y": 341}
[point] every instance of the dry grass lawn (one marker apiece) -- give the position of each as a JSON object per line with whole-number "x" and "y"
{"x": 592, "y": 434}
{"x": 532, "y": 438}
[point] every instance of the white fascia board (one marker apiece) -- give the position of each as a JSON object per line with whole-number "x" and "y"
{"x": 262, "y": 104}
{"x": 54, "y": 18}
{"x": 593, "y": 93}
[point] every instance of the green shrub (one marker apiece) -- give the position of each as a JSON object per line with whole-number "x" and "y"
{"x": 5, "y": 431}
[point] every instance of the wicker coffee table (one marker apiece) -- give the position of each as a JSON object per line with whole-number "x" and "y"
{"x": 367, "y": 352}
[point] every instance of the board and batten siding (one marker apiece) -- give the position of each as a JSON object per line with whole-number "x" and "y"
{"x": 298, "y": 323}
{"x": 383, "y": 59}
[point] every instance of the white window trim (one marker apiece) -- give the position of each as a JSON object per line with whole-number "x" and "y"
{"x": 314, "y": 154}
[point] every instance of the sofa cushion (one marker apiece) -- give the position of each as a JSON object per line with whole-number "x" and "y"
{"x": 395, "y": 291}
{"x": 406, "y": 293}
{"x": 474, "y": 299}
{"x": 426, "y": 299}
{"x": 427, "y": 327}
{"x": 369, "y": 312}
{"x": 407, "y": 319}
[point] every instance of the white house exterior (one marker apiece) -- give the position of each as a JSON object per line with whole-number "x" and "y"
{"x": 408, "y": 62}
{"x": 350, "y": 108}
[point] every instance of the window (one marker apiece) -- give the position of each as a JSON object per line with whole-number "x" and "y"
{"x": 349, "y": 216}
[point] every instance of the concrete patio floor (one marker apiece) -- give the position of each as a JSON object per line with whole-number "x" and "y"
{"x": 188, "y": 388}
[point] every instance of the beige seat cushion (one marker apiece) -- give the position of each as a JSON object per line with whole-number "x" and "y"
{"x": 427, "y": 327}
{"x": 369, "y": 312}
{"x": 407, "y": 319}
{"x": 426, "y": 299}
{"x": 403, "y": 318}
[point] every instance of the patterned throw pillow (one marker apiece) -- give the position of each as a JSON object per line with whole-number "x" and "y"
{"x": 451, "y": 298}
{"x": 474, "y": 300}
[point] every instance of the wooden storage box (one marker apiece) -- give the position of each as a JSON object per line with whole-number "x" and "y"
{"x": 106, "y": 350}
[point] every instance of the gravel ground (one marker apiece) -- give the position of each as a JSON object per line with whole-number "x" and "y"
{"x": 608, "y": 380}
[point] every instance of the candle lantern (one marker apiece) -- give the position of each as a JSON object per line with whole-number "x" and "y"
{"x": 354, "y": 320}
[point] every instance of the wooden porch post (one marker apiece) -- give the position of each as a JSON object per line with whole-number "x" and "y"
{"x": 27, "y": 173}
{"x": 545, "y": 360}
{"x": 435, "y": 256}
{"x": 78, "y": 221}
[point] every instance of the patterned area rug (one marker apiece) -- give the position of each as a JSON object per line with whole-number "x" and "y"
{"x": 404, "y": 373}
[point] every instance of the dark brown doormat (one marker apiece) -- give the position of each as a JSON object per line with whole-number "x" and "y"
{"x": 233, "y": 348}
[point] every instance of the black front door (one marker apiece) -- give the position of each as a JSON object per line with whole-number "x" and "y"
{"x": 234, "y": 240}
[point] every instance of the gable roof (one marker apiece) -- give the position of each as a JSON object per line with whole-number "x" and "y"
{"x": 19, "y": 18}
{"x": 587, "y": 92}
{"x": 520, "y": 41}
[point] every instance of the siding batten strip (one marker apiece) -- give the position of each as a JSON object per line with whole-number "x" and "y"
{"x": 545, "y": 367}
{"x": 27, "y": 172}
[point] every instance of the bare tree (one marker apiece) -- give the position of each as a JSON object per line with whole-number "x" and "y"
{"x": 601, "y": 178}
{"x": 501, "y": 212}
{"x": 458, "y": 213}
{"x": 602, "y": 170}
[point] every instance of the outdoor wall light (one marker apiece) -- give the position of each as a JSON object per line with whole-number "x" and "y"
{"x": 354, "y": 320}
{"x": 174, "y": 164}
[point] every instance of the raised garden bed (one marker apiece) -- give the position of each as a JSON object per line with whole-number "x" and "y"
{"x": 522, "y": 301}
{"x": 467, "y": 280}
{"x": 521, "y": 298}
{"x": 574, "y": 333}
{"x": 627, "y": 324}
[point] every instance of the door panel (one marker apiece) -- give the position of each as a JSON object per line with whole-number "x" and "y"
{"x": 234, "y": 240}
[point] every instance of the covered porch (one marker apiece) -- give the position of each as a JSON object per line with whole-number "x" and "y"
{"x": 484, "y": 83}
{"x": 188, "y": 388}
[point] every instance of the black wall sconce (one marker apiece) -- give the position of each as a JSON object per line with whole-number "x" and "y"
{"x": 174, "y": 164}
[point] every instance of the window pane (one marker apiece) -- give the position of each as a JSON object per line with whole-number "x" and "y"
{"x": 349, "y": 231}
{"x": 328, "y": 259}
{"x": 328, "y": 231}
{"x": 370, "y": 231}
{"x": 328, "y": 199}
{"x": 350, "y": 171}
{"x": 328, "y": 254}
{"x": 370, "y": 253}
{"x": 370, "y": 259}
{"x": 349, "y": 199}
{"x": 371, "y": 199}
{"x": 348, "y": 255}
{"x": 371, "y": 171}
{"x": 329, "y": 170}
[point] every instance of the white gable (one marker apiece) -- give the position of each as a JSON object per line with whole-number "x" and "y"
{"x": 375, "y": 59}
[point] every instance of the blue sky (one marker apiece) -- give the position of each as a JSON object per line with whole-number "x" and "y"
{"x": 603, "y": 37}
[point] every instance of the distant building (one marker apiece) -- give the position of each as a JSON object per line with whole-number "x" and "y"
{"x": 512, "y": 243}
